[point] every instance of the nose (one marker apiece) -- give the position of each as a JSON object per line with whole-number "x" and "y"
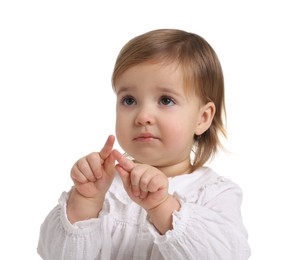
{"x": 144, "y": 116}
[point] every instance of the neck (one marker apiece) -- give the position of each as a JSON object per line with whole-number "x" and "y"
{"x": 180, "y": 168}
{"x": 175, "y": 169}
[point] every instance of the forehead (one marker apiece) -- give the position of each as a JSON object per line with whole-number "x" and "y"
{"x": 162, "y": 76}
{"x": 150, "y": 73}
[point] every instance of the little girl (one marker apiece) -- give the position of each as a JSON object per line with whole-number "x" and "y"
{"x": 158, "y": 200}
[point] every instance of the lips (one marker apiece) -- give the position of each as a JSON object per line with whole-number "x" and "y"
{"x": 145, "y": 137}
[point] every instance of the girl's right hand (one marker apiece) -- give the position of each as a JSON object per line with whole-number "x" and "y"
{"x": 93, "y": 174}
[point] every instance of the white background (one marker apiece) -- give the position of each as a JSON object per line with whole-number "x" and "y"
{"x": 56, "y": 102}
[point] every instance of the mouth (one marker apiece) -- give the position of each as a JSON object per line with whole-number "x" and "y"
{"x": 146, "y": 137}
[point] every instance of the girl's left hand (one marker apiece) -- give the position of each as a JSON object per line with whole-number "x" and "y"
{"x": 145, "y": 184}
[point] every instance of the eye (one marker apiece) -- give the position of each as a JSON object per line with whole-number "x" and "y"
{"x": 128, "y": 101}
{"x": 167, "y": 101}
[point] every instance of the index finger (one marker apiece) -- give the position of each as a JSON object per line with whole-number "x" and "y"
{"x": 107, "y": 148}
{"x": 124, "y": 162}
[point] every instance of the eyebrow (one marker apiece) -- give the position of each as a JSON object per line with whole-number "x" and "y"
{"x": 124, "y": 89}
{"x": 169, "y": 91}
{"x": 158, "y": 88}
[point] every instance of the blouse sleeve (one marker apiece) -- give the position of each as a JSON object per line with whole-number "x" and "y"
{"x": 208, "y": 226}
{"x": 59, "y": 239}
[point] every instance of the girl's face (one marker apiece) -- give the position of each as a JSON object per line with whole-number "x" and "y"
{"x": 156, "y": 119}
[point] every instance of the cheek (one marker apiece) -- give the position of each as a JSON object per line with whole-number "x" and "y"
{"x": 121, "y": 127}
{"x": 176, "y": 132}
{"x": 118, "y": 124}
{"x": 179, "y": 140}
{"x": 179, "y": 130}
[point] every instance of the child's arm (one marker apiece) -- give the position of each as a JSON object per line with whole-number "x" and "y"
{"x": 209, "y": 226}
{"x": 148, "y": 187}
{"x": 60, "y": 236}
{"x": 162, "y": 215}
{"x": 92, "y": 176}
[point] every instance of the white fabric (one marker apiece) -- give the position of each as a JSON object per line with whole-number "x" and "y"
{"x": 208, "y": 225}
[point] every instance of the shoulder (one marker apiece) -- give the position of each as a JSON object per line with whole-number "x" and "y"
{"x": 204, "y": 184}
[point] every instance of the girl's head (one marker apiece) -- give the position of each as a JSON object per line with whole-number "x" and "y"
{"x": 201, "y": 73}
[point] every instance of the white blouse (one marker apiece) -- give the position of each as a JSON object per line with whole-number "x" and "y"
{"x": 207, "y": 226}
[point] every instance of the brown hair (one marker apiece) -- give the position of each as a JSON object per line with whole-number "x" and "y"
{"x": 201, "y": 70}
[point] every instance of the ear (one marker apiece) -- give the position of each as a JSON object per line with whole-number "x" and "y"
{"x": 205, "y": 118}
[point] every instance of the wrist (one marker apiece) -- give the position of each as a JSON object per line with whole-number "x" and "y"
{"x": 81, "y": 208}
{"x": 161, "y": 215}
{"x": 168, "y": 203}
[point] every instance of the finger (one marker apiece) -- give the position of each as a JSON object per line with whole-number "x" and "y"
{"x": 125, "y": 163}
{"x": 107, "y": 148}
{"x": 109, "y": 164}
{"x": 145, "y": 179}
{"x": 125, "y": 176}
{"x": 143, "y": 194}
{"x": 157, "y": 183}
{"x": 77, "y": 175}
{"x": 95, "y": 163}
{"x": 84, "y": 167}
{"x": 135, "y": 176}
{"x": 136, "y": 190}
